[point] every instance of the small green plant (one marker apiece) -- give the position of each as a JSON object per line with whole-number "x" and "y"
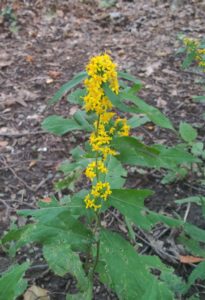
{"x": 194, "y": 50}
{"x": 72, "y": 231}
{"x": 9, "y": 17}
{"x": 188, "y": 136}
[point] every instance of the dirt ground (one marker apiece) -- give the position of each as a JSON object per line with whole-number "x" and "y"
{"x": 47, "y": 43}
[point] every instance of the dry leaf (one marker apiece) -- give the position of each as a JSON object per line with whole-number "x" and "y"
{"x": 150, "y": 127}
{"x": 187, "y": 259}
{"x": 8, "y": 130}
{"x": 151, "y": 68}
{"x": 46, "y": 200}
{"x": 5, "y": 60}
{"x": 54, "y": 74}
{"x": 49, "y": 80}
{"x": 32, "y": 164}
{"x": 36, "y": 293}
{"x": 161, "y": 103}
{"x": 3, "y": 144}
{"x": 73, "y": 110}
{"x": 29, "y": 58}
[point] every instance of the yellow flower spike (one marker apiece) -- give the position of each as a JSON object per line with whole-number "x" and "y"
{"x": 100, "y": 70}
{"x": 124, "y": 128}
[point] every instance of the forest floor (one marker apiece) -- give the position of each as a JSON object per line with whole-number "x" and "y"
{"x": 50, "y": 41}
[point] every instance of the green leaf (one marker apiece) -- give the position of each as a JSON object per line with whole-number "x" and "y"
{"x": 106, "y": 4}
{"x": 191, "y": 245}
{"x": 193, "y": 199}
{"x": 69, "y": 181}
{"x": 66, "y": 167}
{"x": 61, "y": 259}
{"x": 187, "y": 132}
{"x": 194, "y": 232}
{"x": 56, "y": 227}
{"x": 117, "y": 101}
{"x": 129, "y": 77}
{"x": 85, "y": 295}
{"x": 77, "y": 153}
{"x": 157, "y": 291}
{"x": 116, "y": 173}
{"x": 137, "y": 121}
{"x": 151, "y": 112}
{"x": 59, "y": 126}
{"x": 77, "y": 96}
{"x": 172, "y": 281}
{"x": 68, "y": 86}
{"x": 133, "y": 152}
{"x": 12, "y": 283}
{"x": 178, "y": 173}
{"x": 80, "y": 118}
{"x": 169, "y": 158}
{"x": 188, "y": 59}
{"x": 197, "y": 148}
{"x": 131, "y": 204}
{"x": 114, "y": 269}
{"x": 198, "y": 98}
{"x": 197, "y": 273}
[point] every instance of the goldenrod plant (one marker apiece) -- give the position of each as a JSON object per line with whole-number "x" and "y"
{"x": 72, "y": 229}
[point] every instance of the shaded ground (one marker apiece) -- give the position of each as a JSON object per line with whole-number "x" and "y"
{"x": 53, "y": 42}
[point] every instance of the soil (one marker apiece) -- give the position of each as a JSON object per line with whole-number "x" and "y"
{"x": 45, "y": 43}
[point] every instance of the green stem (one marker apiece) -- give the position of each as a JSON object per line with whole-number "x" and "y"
{"x": 96, "y": 258}
{"x": 91, "y": 272}
{"x": 97, "y": 153}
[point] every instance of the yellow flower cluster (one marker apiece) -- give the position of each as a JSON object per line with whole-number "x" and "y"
{"x": 100, "y": 141}
{"x": 191, "y": 43}
{"x": 101, "y": 70}
{"x": 123, "y": 129}
{"x": 100, "y": 191}
{"x": 95, "y": 167}
{"x": 200, "y": 57}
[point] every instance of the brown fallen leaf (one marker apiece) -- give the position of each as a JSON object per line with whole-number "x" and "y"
{"x": 32, "y": 164}
{"x": 5, "y": 60}
{"x": 46, "y": 200}
{"x": 35, "y": 293}
{"x": 54, "y": 74}
{"x": 29, "y": 58}
{"x": 3, "y": 144}
{"x": 188, "y": 259}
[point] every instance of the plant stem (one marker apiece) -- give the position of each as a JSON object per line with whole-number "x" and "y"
{"x": 96, "y": 258}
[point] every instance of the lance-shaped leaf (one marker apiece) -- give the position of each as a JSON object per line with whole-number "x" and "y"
{"x": 68, "y": 86}
{"x": 117, "y": 100}
{"x": 197, "y": 273}
{"x": 122, "y": 269}
{"x": 187, "y": 132}
{"x": 131, "y": 204}
{"x": 151, "y": 112}
{"x": 59, "y": 125}
{"x": 131, "y": 151}
{"x": 12, "y": 283}
{"x": 126, "y": 76}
